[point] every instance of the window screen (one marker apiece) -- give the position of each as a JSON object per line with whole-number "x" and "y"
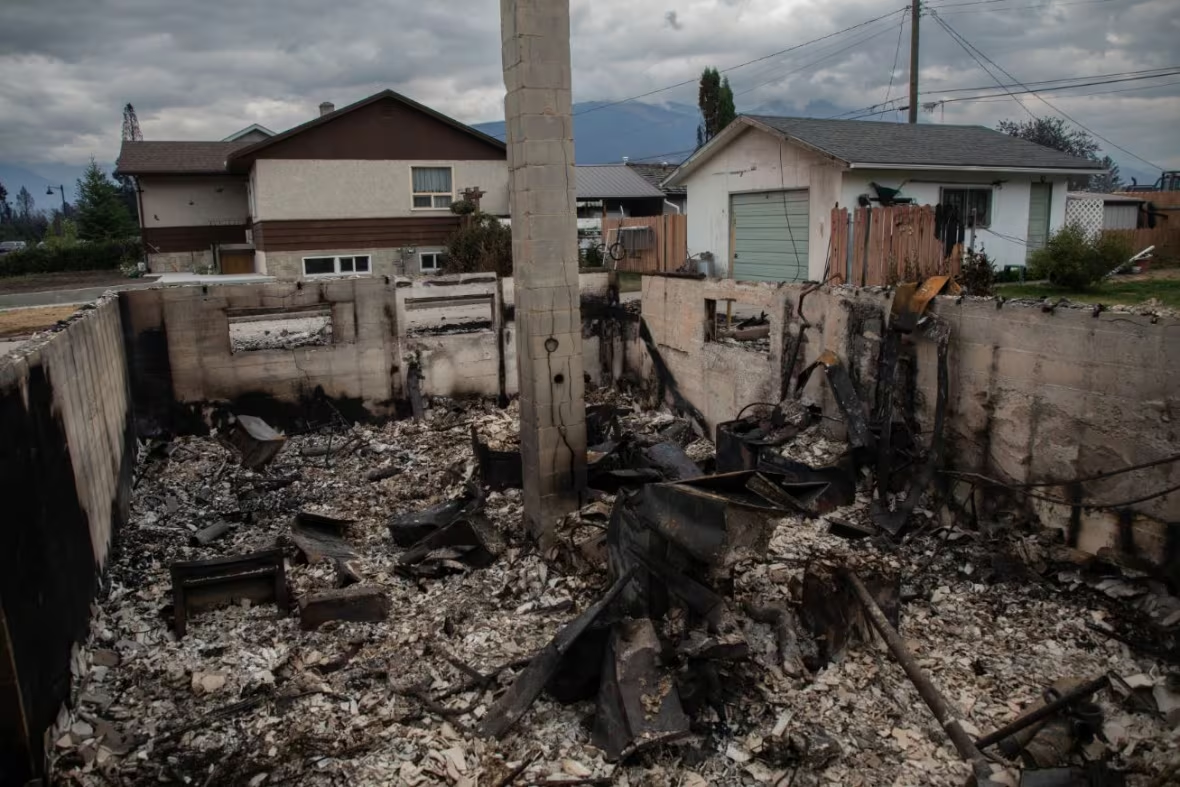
{"x": 973, "y": 205}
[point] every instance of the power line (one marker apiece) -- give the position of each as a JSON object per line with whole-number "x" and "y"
{"x": 817, "y": 61}
{"x": 968, "y": 49}
{"x": 1044, "y": 101}
{"x": 1028, "y": 7}
{"x": 740, "y": 65}
{"x": 1050, "y": 85}
{"x": 896, "y": 53}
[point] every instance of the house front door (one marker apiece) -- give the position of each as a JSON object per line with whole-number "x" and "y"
{"x": 1039, "y": 200}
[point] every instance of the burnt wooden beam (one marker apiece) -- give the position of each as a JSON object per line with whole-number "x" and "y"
{"x": 205, "y": 584}
{"x": 365, "y": 604}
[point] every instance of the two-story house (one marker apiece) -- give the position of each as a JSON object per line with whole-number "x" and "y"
{"x": 366, "y": 189}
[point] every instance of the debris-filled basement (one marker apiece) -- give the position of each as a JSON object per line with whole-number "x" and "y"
{"x": 903, "y": 537}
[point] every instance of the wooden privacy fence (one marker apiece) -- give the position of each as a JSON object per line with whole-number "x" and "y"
{"x": 662, "y": 248}
{"x": 881, "y": 246}
{"x": 1166, "y": 239}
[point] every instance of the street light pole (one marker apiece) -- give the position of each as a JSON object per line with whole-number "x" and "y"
{"x": 62, "y": 189}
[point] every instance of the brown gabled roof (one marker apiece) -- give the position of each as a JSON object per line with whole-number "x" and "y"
{"x": 364, "y": 102}
{"x": 656, "y": 174}
{"x": 188, "y": 158}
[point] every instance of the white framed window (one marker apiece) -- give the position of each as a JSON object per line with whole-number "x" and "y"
{"x": 974, "y": 205}
{"x": 336, "y": 266}
{"x": 432, "y": 187}
{"x": 432, "y": 261}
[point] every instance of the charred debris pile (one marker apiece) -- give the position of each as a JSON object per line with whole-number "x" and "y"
{"x": 360, "y": 605}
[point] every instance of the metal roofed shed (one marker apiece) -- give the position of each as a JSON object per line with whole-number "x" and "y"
{"x": 614, "y": 182}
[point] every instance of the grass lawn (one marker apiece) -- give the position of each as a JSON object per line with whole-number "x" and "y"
{"x": 1108, "y": 293}
{"x": 68, "y": 280}
{"x": 630, "y": 282}
{"x": 17, "y": 322}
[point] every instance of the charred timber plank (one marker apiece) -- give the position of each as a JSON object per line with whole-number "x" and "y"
{"x": 359, "y": 604}
{"x": 205, "y": 584}
{"x": 638, "y": 705}
{"x": 528, "y": 685}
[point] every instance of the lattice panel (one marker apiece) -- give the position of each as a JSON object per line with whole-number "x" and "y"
{"x": 1089, "y": 214}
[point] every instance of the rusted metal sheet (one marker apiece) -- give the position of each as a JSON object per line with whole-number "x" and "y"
{"x": 205, "y": 584}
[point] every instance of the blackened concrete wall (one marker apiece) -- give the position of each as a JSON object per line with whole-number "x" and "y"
{"x": 178, "y": 341}
{"x": 66, "y": 461}
{"x": 1034, "y": 395}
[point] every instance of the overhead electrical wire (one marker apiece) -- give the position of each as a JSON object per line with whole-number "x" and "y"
{"x": 695, "y": 80}
{"x": 1160, "y": 73}
{"x": 896, "y": 54}
{"x": 1044, "y": 101}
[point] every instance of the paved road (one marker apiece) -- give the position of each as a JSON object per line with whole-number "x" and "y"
{"x": 63, "y": 297}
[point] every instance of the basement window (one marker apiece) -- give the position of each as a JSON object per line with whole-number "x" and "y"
{"x": 432, "y": 187}
{"x": 432, "y": 261}
{"x": 279, "y": 329}
{"x": 737, "y": 324}
{"x": 336, "y": 266}
{"x": 444, "y": 315}
{"x": 974, "y": 206}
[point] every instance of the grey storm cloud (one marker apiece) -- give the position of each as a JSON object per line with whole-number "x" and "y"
{"x": 201, "y": 70}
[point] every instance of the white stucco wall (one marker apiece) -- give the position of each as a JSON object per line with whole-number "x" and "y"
{"x": 752, "y": 163}
{"x": 1010, "y": 202}
{"x": 214, "y": 199}
{"x": 315, "y": 189}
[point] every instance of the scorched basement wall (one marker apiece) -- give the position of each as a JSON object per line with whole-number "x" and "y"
{"x": 65, "y": 478}
{"x": 1033, "y": 396}
{"x": 182, "y": 360}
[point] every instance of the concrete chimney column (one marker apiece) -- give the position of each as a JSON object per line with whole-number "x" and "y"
{"x": 326, "y": 108}
{"x": 538, "y": 107}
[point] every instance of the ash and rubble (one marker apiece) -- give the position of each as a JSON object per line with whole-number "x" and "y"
{"x": 994, "y": 615}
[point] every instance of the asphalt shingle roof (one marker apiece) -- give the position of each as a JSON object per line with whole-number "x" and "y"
{"x": 655, "y": 175}
{"x": 143, "y": 158}
{"x": 873, "y": 142}
{"x": 613, "y": 182}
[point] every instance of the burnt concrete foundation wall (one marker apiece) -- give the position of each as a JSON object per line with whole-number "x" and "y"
{"x": 65, "y": 479}
{"x": 1034, "y": 395}
{"x": 182, "y": 360}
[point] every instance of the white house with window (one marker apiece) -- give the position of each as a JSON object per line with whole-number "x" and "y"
{"x": 365, "y": 190}
{"x": 761, "y": 192}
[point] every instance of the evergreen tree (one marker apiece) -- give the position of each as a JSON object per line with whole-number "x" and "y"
{"x": 726, "y": 113}
{"x": 709, "y": 101}
{"x": 101, "y": 214}
{"x": 5, "y": 208}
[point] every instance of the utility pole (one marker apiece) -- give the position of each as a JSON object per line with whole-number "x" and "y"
{"x": 915, "y": 14}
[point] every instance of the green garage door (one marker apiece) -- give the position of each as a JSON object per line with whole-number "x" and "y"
{"x": 770, "y": 235}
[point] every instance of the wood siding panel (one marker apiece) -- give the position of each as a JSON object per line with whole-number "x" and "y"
{"x": 385, "y": 130}
{"x": 890, "y": 244}
{"x": 669, "y": 248}
{"x": 312, "y": 234}
{"x": 163, "y": 240}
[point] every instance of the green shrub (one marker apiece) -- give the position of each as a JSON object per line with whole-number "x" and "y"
{"x": 592, "y": 257}
{"x": 977, "y": 274}
{"x": 1074, "y": 260}
{"x": 100, "y": 255}
{"x": 483, "y": 244}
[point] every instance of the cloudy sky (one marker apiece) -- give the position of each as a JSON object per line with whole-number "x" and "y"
{"x": 201, "y": 70}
